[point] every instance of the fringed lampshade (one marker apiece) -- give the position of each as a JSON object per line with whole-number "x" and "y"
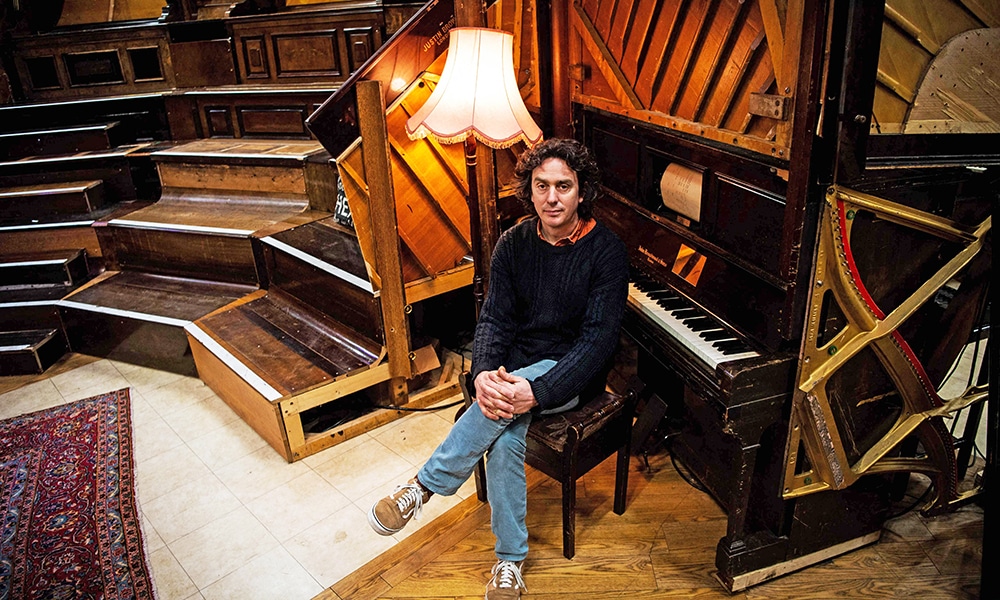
{"x": 477, "y": 94}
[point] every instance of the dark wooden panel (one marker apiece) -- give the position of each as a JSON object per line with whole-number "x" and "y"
{"x": 220, "y": 121}
{"x": 305, "y": 48}
{"x": 276, "y": 121}
{"x": 311, "y": 54}
{"x": 748, "y": 222}
{"x": 153, "y": 345}
{"x": 202, "y": 63}
{"x": 255, "y": 59}
{"x": 185, "y": 254}
{"x": 360, "y": 46}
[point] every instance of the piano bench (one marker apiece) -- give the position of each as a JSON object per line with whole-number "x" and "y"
{"x": 568, "y": 445}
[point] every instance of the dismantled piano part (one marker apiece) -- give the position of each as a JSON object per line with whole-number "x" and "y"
{"x": 814, "y": 432}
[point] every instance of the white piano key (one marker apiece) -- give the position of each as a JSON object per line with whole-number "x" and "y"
{"x": 703, "y": 349}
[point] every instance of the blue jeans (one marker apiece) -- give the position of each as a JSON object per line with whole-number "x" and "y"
{"x": 503, "y": 443}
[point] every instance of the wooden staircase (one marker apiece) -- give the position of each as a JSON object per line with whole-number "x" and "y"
{"x": 56, "y": 183}
{"x": 191, "y": 252}
{"x": 205, "y": 220}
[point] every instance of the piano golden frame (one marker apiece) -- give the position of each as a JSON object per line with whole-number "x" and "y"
{"x": 813, "y": 427}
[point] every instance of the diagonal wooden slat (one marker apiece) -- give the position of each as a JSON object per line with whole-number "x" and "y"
{"x": 609, "y": 67}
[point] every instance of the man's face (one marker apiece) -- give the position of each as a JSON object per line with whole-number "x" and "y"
{"x": 555, "y": 193}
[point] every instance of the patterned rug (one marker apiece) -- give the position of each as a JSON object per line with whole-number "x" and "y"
{"x": 69, "y": 527}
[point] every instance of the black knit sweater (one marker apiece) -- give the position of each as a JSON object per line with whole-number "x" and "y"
{"x": 559, "y": 302}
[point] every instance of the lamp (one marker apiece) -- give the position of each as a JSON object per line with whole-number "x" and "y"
{"x": 477, "y": 98}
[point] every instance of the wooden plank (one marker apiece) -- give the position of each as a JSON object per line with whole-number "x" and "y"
{"x": 251, "y": 178}
{"x": 773, "y": 15}
{"x": 238, "y": 214}
{"x": 658, "y": 49}
{"x": 987, "y": 11}
{"x": 168, "y": 297}
{"x": 683, "y": 53}
{"x": 621, "y": 27}
{"x": 791, "y": 65}
{"x": 608, "y": 66}
{"x": 929, "y": 25}
{"x": 428, "y": 287}
{"x": 729, "y": 21}
{"x": 740, "y": 62}
{"x": 639, "y": 39}
{"x": 371, "y": 119}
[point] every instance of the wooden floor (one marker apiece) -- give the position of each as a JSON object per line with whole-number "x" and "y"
{"x": 662, "y": 547}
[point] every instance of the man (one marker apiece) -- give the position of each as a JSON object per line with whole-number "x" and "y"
{"x": 548, "y": 328}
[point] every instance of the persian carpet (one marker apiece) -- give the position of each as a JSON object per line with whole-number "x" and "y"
{"x": 69, "y": 526}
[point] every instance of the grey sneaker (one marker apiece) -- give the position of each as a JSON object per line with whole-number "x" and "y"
{"x": 390, "y": 514}
{"x": 506, "y": 583}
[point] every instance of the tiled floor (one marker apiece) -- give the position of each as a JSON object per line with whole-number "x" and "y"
{"x": 224, "y": 515}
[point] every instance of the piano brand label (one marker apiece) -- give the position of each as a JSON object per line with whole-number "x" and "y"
{"x": 654, "y": 258}
{"x": 689, "y": 264}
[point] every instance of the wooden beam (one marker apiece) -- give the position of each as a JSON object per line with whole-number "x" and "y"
{"x": 382, "y": 204}
{"x": 773, "y": 13}
{"x": 620, "y": 86}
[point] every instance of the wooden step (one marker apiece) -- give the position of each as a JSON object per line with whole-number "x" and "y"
{"x": 60, "y": 268}
{"x": 138, "y": 116}
{"x": 197, "y": 239}
{"x": 320, "y": 265}
{"x": 64, "y": 233}
{"x": 30, "y": 351}
{"x": 114, "y": 168}
{"x": 60, "y": 140}
{"x": 272, "y": 171}
{"x": 140, "y": 317}
{"x": 260, "y": 355}
{"x": 38, "y": 202}
{"x": 288, "y": 344}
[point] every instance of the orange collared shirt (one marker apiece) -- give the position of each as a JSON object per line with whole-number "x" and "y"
{"x": 583, "y": 227}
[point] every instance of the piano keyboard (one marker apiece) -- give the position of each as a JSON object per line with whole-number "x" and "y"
{"x": 698, "y": 332}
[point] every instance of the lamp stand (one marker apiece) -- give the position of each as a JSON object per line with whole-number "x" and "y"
{"x": 475, "y": 235}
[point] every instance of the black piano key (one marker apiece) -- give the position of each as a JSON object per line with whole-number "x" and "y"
{"x": 684, "y": 313}
{"x": 719, "y": 334}
{"x": 731, "y": 347}
{"x": 700, "y": 323}
{"x": 672, "y": 304}
{"x": 658, "y": 294}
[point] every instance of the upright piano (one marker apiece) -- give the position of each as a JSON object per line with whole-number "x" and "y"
{"x": 809, "y": 232}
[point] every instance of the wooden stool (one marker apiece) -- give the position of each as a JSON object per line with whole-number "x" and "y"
{"x": 569, "y": 444}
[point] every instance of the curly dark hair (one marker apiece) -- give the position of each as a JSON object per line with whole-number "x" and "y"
{"x": 576, "y": 156}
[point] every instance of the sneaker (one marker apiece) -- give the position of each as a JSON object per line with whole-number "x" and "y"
{"x": 390, "y": 514}
{"x": 506, "y": 583}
